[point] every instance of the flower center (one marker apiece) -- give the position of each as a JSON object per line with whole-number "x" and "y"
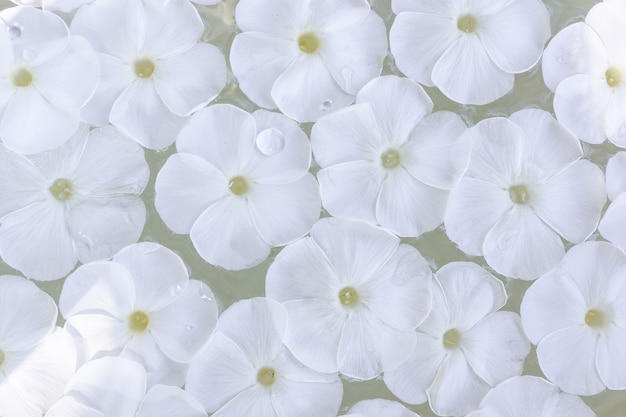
{"x": 61, "y": 189}
{"x": 613, "y": 77}
{"x": 144, "y": 68}
{"x": 238, "y": 185}
{"x": 266, "y": 376}
{"x": 452, "y": 339}
{"x": 390, "y": 159}
{"x": 466, "y": 23}
{"x": 22, "y": 77}
{"x": 308, "y": 42}
{"x": 348, "y": 297}
{"x": 519, "y": 194}
{"x": 138, "y": 322}
{"x": 595, "y": 318}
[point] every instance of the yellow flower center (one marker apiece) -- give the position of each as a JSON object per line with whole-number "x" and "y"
{"x": 595, "y": 318}
{"x": 61, "y": 189}
{"x": 22, "y": 77}
{"x": 138, "y": 322}
{"x": 238, "y": 185}
{"x": 466, "y": 23}
{"x": 519, "y": 194}
{"x": 390, "y": 159}
{"x": 266, "y": 376}
{"x": 308, "y": 42}
{"x": 613, "y": 77}
{"x": 348, "y": 297}
{"x": 144, "y": 68}
{"x": 452, "y": 339}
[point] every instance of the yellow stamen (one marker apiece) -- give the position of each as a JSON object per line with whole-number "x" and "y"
{"x": 144, "y": 68}
{"x": 451, "y": 339}
{"x": 238, "y": 185}
{"x": 466, "y": 23}
{"x": 61, "y": 189}
{"x": 266, "y": 376}
{"x": 595, "y": 318}
{"x": 391, "y": 159}
{"x": 22, "y": 77}
{"x": 519, "y": 194}
{"x": 348, "y": 297}
{"x": 308, "y": 42}
{"x": 613, "y": 77}
{"x": 138, "y": 322}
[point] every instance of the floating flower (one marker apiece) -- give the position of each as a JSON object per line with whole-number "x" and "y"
{"x": 68, "y": 6}
{"x": 306, "y": 57}
{"x": 585, "y": 66}
{"x": 46, "y": 77}
{"x": 530, "y": 396}
{"x": 388, "y": 160}
{"x": 379, "y": 407}
{"x": 117, "y": 387}
{"x": 238, "y": 185}
{"x": 576, "y": 315}
{"x": 154, "y": 70}
{"x": 245, "y": 368}
{"x": 78, "y": 202}
{"x": 354, "y": 294}
{"x": 465, "y": 346}
{"x": 36, "y": 357}
{"x": 524, "y": 189}
{"x": 140, "y": 305}
{"x": 613, "y": 224}
{"x": 469, "y": 50}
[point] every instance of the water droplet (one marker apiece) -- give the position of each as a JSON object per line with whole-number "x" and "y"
{"x": 270, "y": 141}
{"x": 28, "y": 54}
{"x": 85, "y": 238}
{"x": 189, "y": 327}
{"x": 205, "y": 293}
{"x": 14, "y": 31}
{"x": 326, "y": 105}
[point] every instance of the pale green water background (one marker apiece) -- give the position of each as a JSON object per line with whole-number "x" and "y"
{"x": 228, "y": 287}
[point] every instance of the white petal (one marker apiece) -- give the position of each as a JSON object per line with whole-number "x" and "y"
{"x": 580, "y": 103}
{"x": 612, "y": 227}
{"x": 568, "y": 358}
{"x": 183, "y": 327}
{"x": 436, "y": 153}
{"x": 278, "y": 17}
{"x": 418, "y": 40}
{"x": 171, "y": 29}
{"x": 466, "y": 73}
{"x": 616, "y": 175}
{"x": 521, "y": 246}
{"x": 159, "y": 274}
{"x": 25, "y": 182}
{"x": 185, "y": 186}
{"x": 306, "y": 90}
{"x": 69, "y": 407}
{"x": 610, "y": 363}
{"x": 609, "y": 26}
{"x": 35, "y": 240}
{"x": 292, "y": 369}
{"x": 219, "y": 373}
{"x": 521, "y": 396}
{"x": 282, "y": 213}
{"x": 355, "y": 54}
{"x": 571, "y": 405}
{"x": 225, "y": 236}
{"x": 100, "y": 334}
{"x": 160, "y": 369}
{"x": 410, "y": 381}
{"x": 407, "y": 206}
{"x": 166, "y": 401}
{"x": 308, "y": 399}
{"x": 577, "y": 49}
{"x": 256, "y": 400}
{"x": 380, "y": 407}
{"x": 258, "y": 59}
{"x": 140, "y": 113}
{"x": 617, "y": 6}
{"x": 333, "y": 15}
{"x": 571, "y": 202}
{"x": 188, "y": 81}
{"x": 615, "y": 119}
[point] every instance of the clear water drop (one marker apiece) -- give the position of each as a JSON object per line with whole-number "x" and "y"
{"x": 28, "y": 54}
{"x": 205, "y": 293}
{"x": 189, "y": 327}
{"x": 326, "y": 105}
{"x": 270, "y": 141}
{"x": 14, "y": 31}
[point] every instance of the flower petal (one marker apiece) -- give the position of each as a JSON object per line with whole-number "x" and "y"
{"x": 24, "y": 185}
{"x": 612, "y": 227}
{"x": 308, "y": 399}
{"x": 99, "y": 333}
{"x": 160, "y": 369}
{"x": 609, "y": 26}
{"x": 616, "y": 175}
{"x": 520, "y": 396}
{"x": 255, "y": 400}
{"x": 165, "y": 401}
{"x": 69, "y": 407}
{"x": 292, "y": 369}
{"x": 277, "y": 17}
{"x": 380, "y": 407}
{"x": 171, "y": 29}
{"x": 610, "y": 363}
{"x": 615, "y": 119}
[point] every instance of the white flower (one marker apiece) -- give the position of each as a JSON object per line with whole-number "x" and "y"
{"x": 78, "y": 202}
{"x": 36, "y": 357}
{"x": 46, "y": 77}
{"x": 238, "y": 185}
{"x": 246, "y": 370}
{"x": 530, "y": 396}
{"x": 470, "y": 50}
{"x": 524, "y": 190}
{"x": 116, "y": 387}
{"x": 153, "y": 69}
{"x": 388, "y": 160}
{"x": 465, "y": 346}
{"x": 140, "y": 305}
{"x": 576, "y": 315}
{"x": 585, "y": 66}
{"x": 354, "y": 294}
{"x": 378, "y": 408}
{"x": 613, "y": 224}
{"x": 306, "y": 57}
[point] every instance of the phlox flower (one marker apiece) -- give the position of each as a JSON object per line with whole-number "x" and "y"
{"x": 470, "y": 50}
{"x": 524, "y": 190}
{"x": 379, "y": 407}
{"x": 238, "y": 185}
{"x": 117, "y": 387}
{"x": 77, "y": 202}
{"x": 140, "y": 305}
{"x": 67, "y": 6}
{"x": 306, "y": 57}
{"x": 613, "y": 224}
{"x": 585, "y": 66}
{"x": 354, "y": 294}
{"x": 36, "y": 357}
{"x": 154, "y": 70}
{"x": 464, "y": 347}
{"x": 388, "y": 160}
{"x": 576, "y": 315}
{"x": 46, "y": 77}
{"x": 530, "y": 396}
{"x": 246, "y": 370}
